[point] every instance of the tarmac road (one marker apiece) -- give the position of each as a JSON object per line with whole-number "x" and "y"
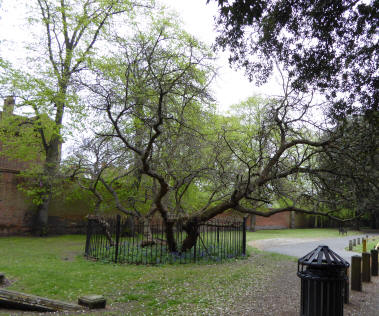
{"x": 300, "y": 249}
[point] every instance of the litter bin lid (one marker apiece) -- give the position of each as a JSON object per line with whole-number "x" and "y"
{"x": 323, "y": 256}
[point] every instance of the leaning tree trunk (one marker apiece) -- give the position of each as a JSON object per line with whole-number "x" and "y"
{"x": 192, "y": 230}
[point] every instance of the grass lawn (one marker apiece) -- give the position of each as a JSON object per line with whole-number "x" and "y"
{"x": 54, "y": 267}
{"x": 297, "y": 233}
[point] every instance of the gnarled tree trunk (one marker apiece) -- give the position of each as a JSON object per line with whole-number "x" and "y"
{"x": 192, "y": 230}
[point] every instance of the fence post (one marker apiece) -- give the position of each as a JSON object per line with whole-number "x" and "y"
{"x": 347, "y": 288}
{"x": 118, "y": 222}
{"x": 356, "y": 275}
{"x": 88, "y": 239}
{"x": 350, "y": 245}
{"x": 364, "y": 245}
{"x": 366, "y": 269}
{"x": 374, "y": 262}
{"x": 244, "y": 237}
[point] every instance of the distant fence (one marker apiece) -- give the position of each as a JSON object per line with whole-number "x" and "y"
{"x": 117, "y": 239}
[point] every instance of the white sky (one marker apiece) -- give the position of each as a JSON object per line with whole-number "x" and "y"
{"x": 229, "y": 88}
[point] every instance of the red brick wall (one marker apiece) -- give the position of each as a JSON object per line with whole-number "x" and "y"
{"x": 17, "y": 212}
{"x": 276, "y": 221}
{"x": 15, "y": 216}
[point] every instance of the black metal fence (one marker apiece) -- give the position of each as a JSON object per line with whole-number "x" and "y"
{"x": 118, "y": 239}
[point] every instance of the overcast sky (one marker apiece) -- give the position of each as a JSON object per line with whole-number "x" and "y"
{"x": 229, "y": 88}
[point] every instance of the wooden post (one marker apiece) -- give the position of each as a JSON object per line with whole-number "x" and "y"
{"x": 350, "y": 245}
{"x": 356, "y": 276}
{"x": 374, "y": 262}
{"x": 366, "y": 273}
{"x": 347, "y": 292}
{"x": 118, "y": 224}
{"x": 354, "y": 242}
{"x": 358, "y": 241}
{"x": 364, "y": 245}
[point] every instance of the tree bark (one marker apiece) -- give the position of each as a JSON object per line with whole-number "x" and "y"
{"x": 192, "y": 230}
{"x": 49, "y": 173}
{"x": 41, "y": 228}
{"x": 171, "y": 243}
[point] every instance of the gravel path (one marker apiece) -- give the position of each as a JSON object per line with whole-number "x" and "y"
{"x": 287, "y": 286}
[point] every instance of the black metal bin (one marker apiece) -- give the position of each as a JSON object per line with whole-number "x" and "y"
{"x": 323, "y": 275}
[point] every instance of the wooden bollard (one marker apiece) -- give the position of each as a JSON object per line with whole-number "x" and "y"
{"x": 356, "y": 275}
{"x": 347, "y": 290}
{"x": 366, "y": 271}
{"x": 374, "y": 262}
{"x": 354, "y": 243}
{"x": 364, "y": 245}
{"x": 350, "y": 245}
{"x": 358, "y": 241}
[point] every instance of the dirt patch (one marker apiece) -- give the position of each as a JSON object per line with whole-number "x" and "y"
{"x": 365, "y": 302}
{"x": 71, "y": 255}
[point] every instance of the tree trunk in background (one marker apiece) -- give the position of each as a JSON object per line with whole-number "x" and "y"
{"x": 171, "y": 243}
{"x": 292, "y": 219}
{"x": 41, "y": 228}
{"x": 357, "y": 222}
{"x": 253, "y": 220}
{"x": 373, "y": 220}
{"x": 49, "y": 173}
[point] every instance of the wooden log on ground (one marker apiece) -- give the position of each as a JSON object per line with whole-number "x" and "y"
{"x": 17, "y": 300}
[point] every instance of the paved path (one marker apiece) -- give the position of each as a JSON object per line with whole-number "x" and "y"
{"x": 300, "y": 247}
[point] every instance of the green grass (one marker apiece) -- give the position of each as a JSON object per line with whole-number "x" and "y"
{"x": 297, "y": 233}
{"x": 55, "y": 267}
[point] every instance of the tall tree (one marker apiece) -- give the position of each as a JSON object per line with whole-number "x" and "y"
{"x": 159, "y": 81}
{"x": 331, "y": 45}
{"x": 71, "y": 30}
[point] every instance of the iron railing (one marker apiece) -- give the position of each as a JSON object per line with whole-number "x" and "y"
{"x": 118, "y": 239}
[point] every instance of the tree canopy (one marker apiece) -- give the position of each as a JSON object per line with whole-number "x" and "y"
{"x": 328, "y": 45}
